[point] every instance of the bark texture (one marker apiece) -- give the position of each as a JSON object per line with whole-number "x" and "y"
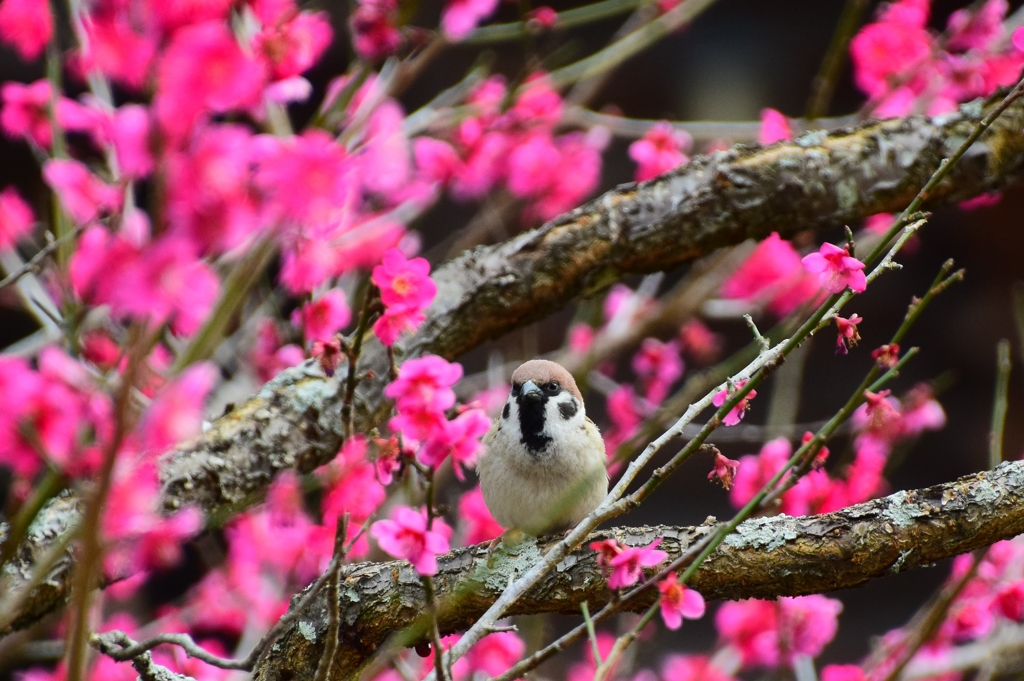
{"x": 764, "y": 558}
{"x": 819, "y": 180}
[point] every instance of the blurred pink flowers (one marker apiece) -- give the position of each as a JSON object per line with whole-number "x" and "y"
{"x": 406, "y": 536}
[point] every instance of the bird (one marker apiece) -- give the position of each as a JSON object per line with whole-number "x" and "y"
{"x": 544, "y": 467}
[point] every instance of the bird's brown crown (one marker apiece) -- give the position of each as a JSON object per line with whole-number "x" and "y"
{"x": 542, "y": 371}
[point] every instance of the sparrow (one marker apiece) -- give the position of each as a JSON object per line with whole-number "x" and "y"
{"x": 544, "y": 466}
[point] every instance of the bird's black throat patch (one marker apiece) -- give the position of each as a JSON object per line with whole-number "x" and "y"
{"x": 531, "y": 423}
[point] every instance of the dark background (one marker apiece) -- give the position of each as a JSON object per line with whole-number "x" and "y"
{"x": 737, "y": 58}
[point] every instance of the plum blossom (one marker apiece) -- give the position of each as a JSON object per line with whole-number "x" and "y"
{"x": 422, "y": 393}
{"x": 292, "y": 43}
{"x": 771, "y": 634}
{"x": 661, "y": 149}
{"x": 848, "y": 333}
{"x": 679, "y": 601}
{"x": 458, "y": 438}
{"x": 724, "y": 470}
{"x": 460, "y": 17}
{"x": 691, "y": 668}
{"x": 658, "y": 365}
{"x": 374, "y": 28}
{"x": 480, "y": 525}
{"x": 406, "y": 536}
{"x": 175, "y": 414}
{"x": 886, "y": 356}
{"x": 774, "y": 127}
{"x": 27, "y": 25}
{"x": 772, "y": 274}
{"x": 836, "y": 269}
{"x": 737, "y": 412}
{"x": 15, "y": 218}
{"x": 84, "y": 195}
{"x": 325, "y": 316}
{"x": 624, "y": 565}
{"x": 406, "y": 290}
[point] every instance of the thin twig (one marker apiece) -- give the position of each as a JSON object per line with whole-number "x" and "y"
{"x": 995, "y": 437}
{"x": 591, "y": 633}
{"x": 323, "y": 669}
{"x": 825, "y": 81}
{"x": 33, "y": 265}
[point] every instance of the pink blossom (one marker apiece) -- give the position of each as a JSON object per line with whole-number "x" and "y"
{"x": 385, "y": 156}
{"x": 437, "y": 161}
{"x": 168, "y": 283}
{"x": 406, "y": 536}
{"x": 622, "y": 410}
{"x": 885, "y": 50}
{"x": 755, "y": 471}
{"x": 177, "y": 411}
{"x": 130, "y": 131}
{"x": 701, "y": 343}
{"x": 982, "y": 201}
{"x": 736, "y": 413}
{"x": 532, "y": 165}
{"x": 774, "y": 127}
{"x": 325, "y": 316}
{"x": 538, "y": 103}
{"x": 16, "y": 218}
{"x": 661, "y": 149}
{"x": 328, "y": 355}
{"x": 1009, "y": 602}
{"x": 397, "y": 320}
{"x": 658, "y": 365}
{"x": 770, "y": 634}
{"x": 118, "y": 48}
{"x": 269, "y": 356}
{"x": 84, "y": 195}
{"x": 836, "y": 269}
{"x": 724, "y": 470}
{"x": 460, "y": 17}
{"x": 374, "y": 28}
{"x": 27, "y": 25}
{"x": 212, "y": 195}
{"x": 842, "y": 672}
{"x": 404, "y": 282}
{"x": 625, "y": 563}
{"x": 847, "y": 332}
{"x": 202, "y": 70}
{"x": 26, "y": 113}
{"x": 679, "y": 601}
{"x": 577, "y": 174}
{"x": 480, "y": 525}
{"x": 425, "y": 382}
{"x": 460, "y": 439}
{"x": 773, "y": 274}
{"x": 691, "y": 668}
{"x": 308, "y": 178}
{"x": 977, "y": 29}
{"x": 886, "y": 356}
{"x": 292, "y": 44}
{"x": 496, "y": 653}
{"x": 542, "y": 17}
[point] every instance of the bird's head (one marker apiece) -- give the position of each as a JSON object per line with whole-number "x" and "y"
{"x": 543, "y": 402}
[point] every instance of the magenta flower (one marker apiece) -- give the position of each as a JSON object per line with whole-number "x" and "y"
{"x": 836, "y": 269}
{"x": 84, "y": 195}
{"x": 772, "y": 274}
{"x": 15, "y": 218}
{"x": 626, "y": 563}
{"x": 425, "y": 382}
{"x": 724, "y": 470}
{"x": 774, "y": 127}
{"x": 129, "y": 131}
{"x": 460, "y": 17}
{"x": 406, "y": 536}
{"x": 291, "y": 44}
{"x": 374, "y": 28}
{"x": 26, "y": 25}
{"x": 658, "y": 365}
{"x": 886, "y": 356}
{"x": 679, "y": 601}
{"x": 325, "y": 316}
{"x": 460, "y": 439}
{"x": 404, "y": 282}
{"x": 661, "y": 149}
{"x": 478, "y": 523}
{"x": 176, "y": 413}
{"x": 737, "y": 412}
{"x": 847, "y": 333}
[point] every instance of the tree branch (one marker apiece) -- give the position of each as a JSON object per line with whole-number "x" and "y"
{"x": 819, "y": 180}
{"x": 765, "y": 558}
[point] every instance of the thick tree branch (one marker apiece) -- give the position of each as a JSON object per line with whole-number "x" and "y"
{"x": 819, "y": 180}
{"x": 765, "y": 558}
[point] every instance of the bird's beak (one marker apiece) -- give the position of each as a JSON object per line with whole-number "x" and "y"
{"x": 532, "y": 393}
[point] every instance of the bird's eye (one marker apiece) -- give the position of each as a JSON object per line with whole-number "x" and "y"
{"x": 552, "y": 387}
{"x": 515, "y": 389}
